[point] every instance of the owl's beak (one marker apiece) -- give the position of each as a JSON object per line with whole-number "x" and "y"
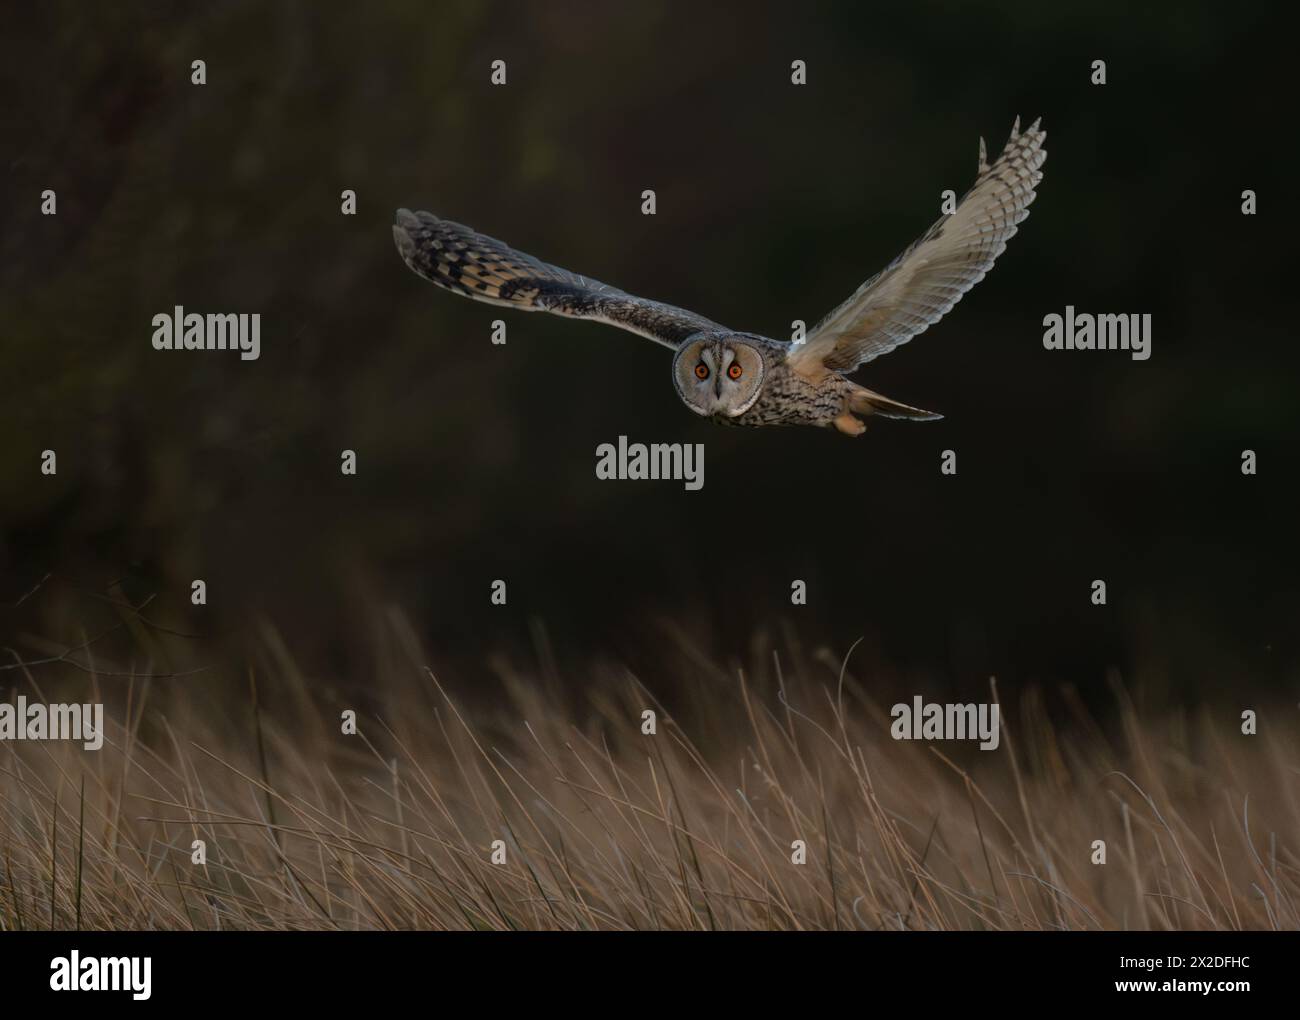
{"x": 717, "y": 386}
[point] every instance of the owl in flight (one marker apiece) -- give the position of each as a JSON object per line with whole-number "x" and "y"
{"x": 742, "y": 378}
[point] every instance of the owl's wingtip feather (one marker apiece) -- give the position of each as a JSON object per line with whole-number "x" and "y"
{"x": 404, "y": 241}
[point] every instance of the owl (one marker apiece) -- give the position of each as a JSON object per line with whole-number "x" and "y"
{"x": 743, "y": 378}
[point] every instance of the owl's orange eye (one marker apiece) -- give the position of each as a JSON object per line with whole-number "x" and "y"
{"x": 735, "y": 371}
{"x": 701, "y": 371}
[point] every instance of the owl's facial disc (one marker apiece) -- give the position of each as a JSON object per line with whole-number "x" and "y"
{"x": 718, "y": 376}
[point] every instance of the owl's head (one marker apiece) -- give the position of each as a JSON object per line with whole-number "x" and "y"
{"x": 718, "y": 374}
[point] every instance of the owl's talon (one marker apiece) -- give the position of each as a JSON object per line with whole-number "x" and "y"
{"x": 849, "y": 425}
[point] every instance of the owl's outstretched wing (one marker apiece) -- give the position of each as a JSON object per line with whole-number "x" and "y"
{"x": 485, "y": 269}
{"x": 919, "y": 287}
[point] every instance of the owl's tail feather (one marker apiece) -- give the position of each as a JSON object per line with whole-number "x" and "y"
{"x": 865, "y": 401}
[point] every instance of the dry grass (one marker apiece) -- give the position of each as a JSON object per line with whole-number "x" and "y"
{"x": 607, "y": 828}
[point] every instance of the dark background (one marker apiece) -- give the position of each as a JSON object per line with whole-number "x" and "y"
{"x": 476, "y": 462}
